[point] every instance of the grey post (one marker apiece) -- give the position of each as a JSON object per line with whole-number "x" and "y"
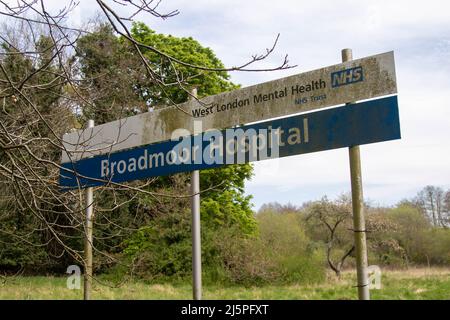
{"x": 359, "y": 224}
{"x": 196, "y": 237}
{"x": 88, "y": 237}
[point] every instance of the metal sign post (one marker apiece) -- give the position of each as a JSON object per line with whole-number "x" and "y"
{"x": 359, "y": 224}
{"x": 88, "y": 237}
{"x": 196, "y": 236}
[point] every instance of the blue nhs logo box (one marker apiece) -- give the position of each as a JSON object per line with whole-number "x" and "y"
{"x": 347, "y": 76}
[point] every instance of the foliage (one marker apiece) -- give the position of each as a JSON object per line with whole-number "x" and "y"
{"x": 332, "y": 221}
{"x": 417, "y": 237}
{"x": 28, "y": 198}
{"x": 161, "y": 245}
{"x": 401, "y": 236}
{"x": 245, "y": 260}
{"x": 187, "y": 50}
{"x": 162, "y": 248}
{"x": 433, "y": 202}
{"x": 284, "y": 238}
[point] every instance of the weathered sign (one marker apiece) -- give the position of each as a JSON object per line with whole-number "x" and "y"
{"x": 361, "y": 79}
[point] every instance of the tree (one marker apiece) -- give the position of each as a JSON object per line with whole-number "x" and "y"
{"x": 333, "y": 218}
{"x": 223, "y": 203}
{"x": 278, "y": 208}
{"x": 446, "y": 210}
{"x": 131, "y": 93}
{"x": 33, "y": 212}
{"x": 432, "y": 201}
{"x": 111, "y": 74}
{"x": 384, "y": 237}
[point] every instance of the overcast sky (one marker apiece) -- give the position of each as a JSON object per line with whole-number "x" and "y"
{"x": 313, "y": 34}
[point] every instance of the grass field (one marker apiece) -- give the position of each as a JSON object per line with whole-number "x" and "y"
{"x": 402, "y": 284}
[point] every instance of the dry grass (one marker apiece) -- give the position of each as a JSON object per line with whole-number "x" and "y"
{"x": 413, "y": 273}
{"x": 415, "y": 283}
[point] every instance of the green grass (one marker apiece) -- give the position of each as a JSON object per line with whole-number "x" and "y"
{"x": 405, "y": 284}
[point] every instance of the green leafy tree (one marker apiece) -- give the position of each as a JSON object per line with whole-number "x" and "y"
{"x": 120, "y": 86}
{"x": 189, "y": 51}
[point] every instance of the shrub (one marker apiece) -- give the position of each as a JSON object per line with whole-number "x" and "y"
{"x": 161, "y": 249}
{"x": 296, "y": 257}
{"x": 245, "y": 260}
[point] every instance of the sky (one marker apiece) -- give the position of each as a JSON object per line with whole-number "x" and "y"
{"x": 313, "y": 33}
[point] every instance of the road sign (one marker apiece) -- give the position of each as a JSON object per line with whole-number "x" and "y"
{"x": 361, "y": 123}
{"x": 361, "y": 79}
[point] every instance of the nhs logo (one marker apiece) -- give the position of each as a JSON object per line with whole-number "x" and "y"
{"x": 347, "y": 76}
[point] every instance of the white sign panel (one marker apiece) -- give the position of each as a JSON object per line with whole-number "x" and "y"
{"x": 361, "y": 79}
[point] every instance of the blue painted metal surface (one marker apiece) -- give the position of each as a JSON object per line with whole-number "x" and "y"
{"x": 357, "y": 124}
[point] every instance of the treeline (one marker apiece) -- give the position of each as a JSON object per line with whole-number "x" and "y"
{"x": 413, "y": 232}
{"x": 434, "y": 203}
{"x": 295, "y": 243}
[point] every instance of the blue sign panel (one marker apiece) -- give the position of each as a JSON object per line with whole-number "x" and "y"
{"x": 347, "y": 76}
{"x": 356, "y": 124}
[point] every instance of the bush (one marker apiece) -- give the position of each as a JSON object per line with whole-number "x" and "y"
{"x": 279, "y": 253}
{"x": 403, "y": 236}
{"x": 439, "y": 252}
{"x": 303, "y": 269}
{"x": 162, "y": 249}
{"x": 296, "y": 257}
{"x": 245, "y": 261}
